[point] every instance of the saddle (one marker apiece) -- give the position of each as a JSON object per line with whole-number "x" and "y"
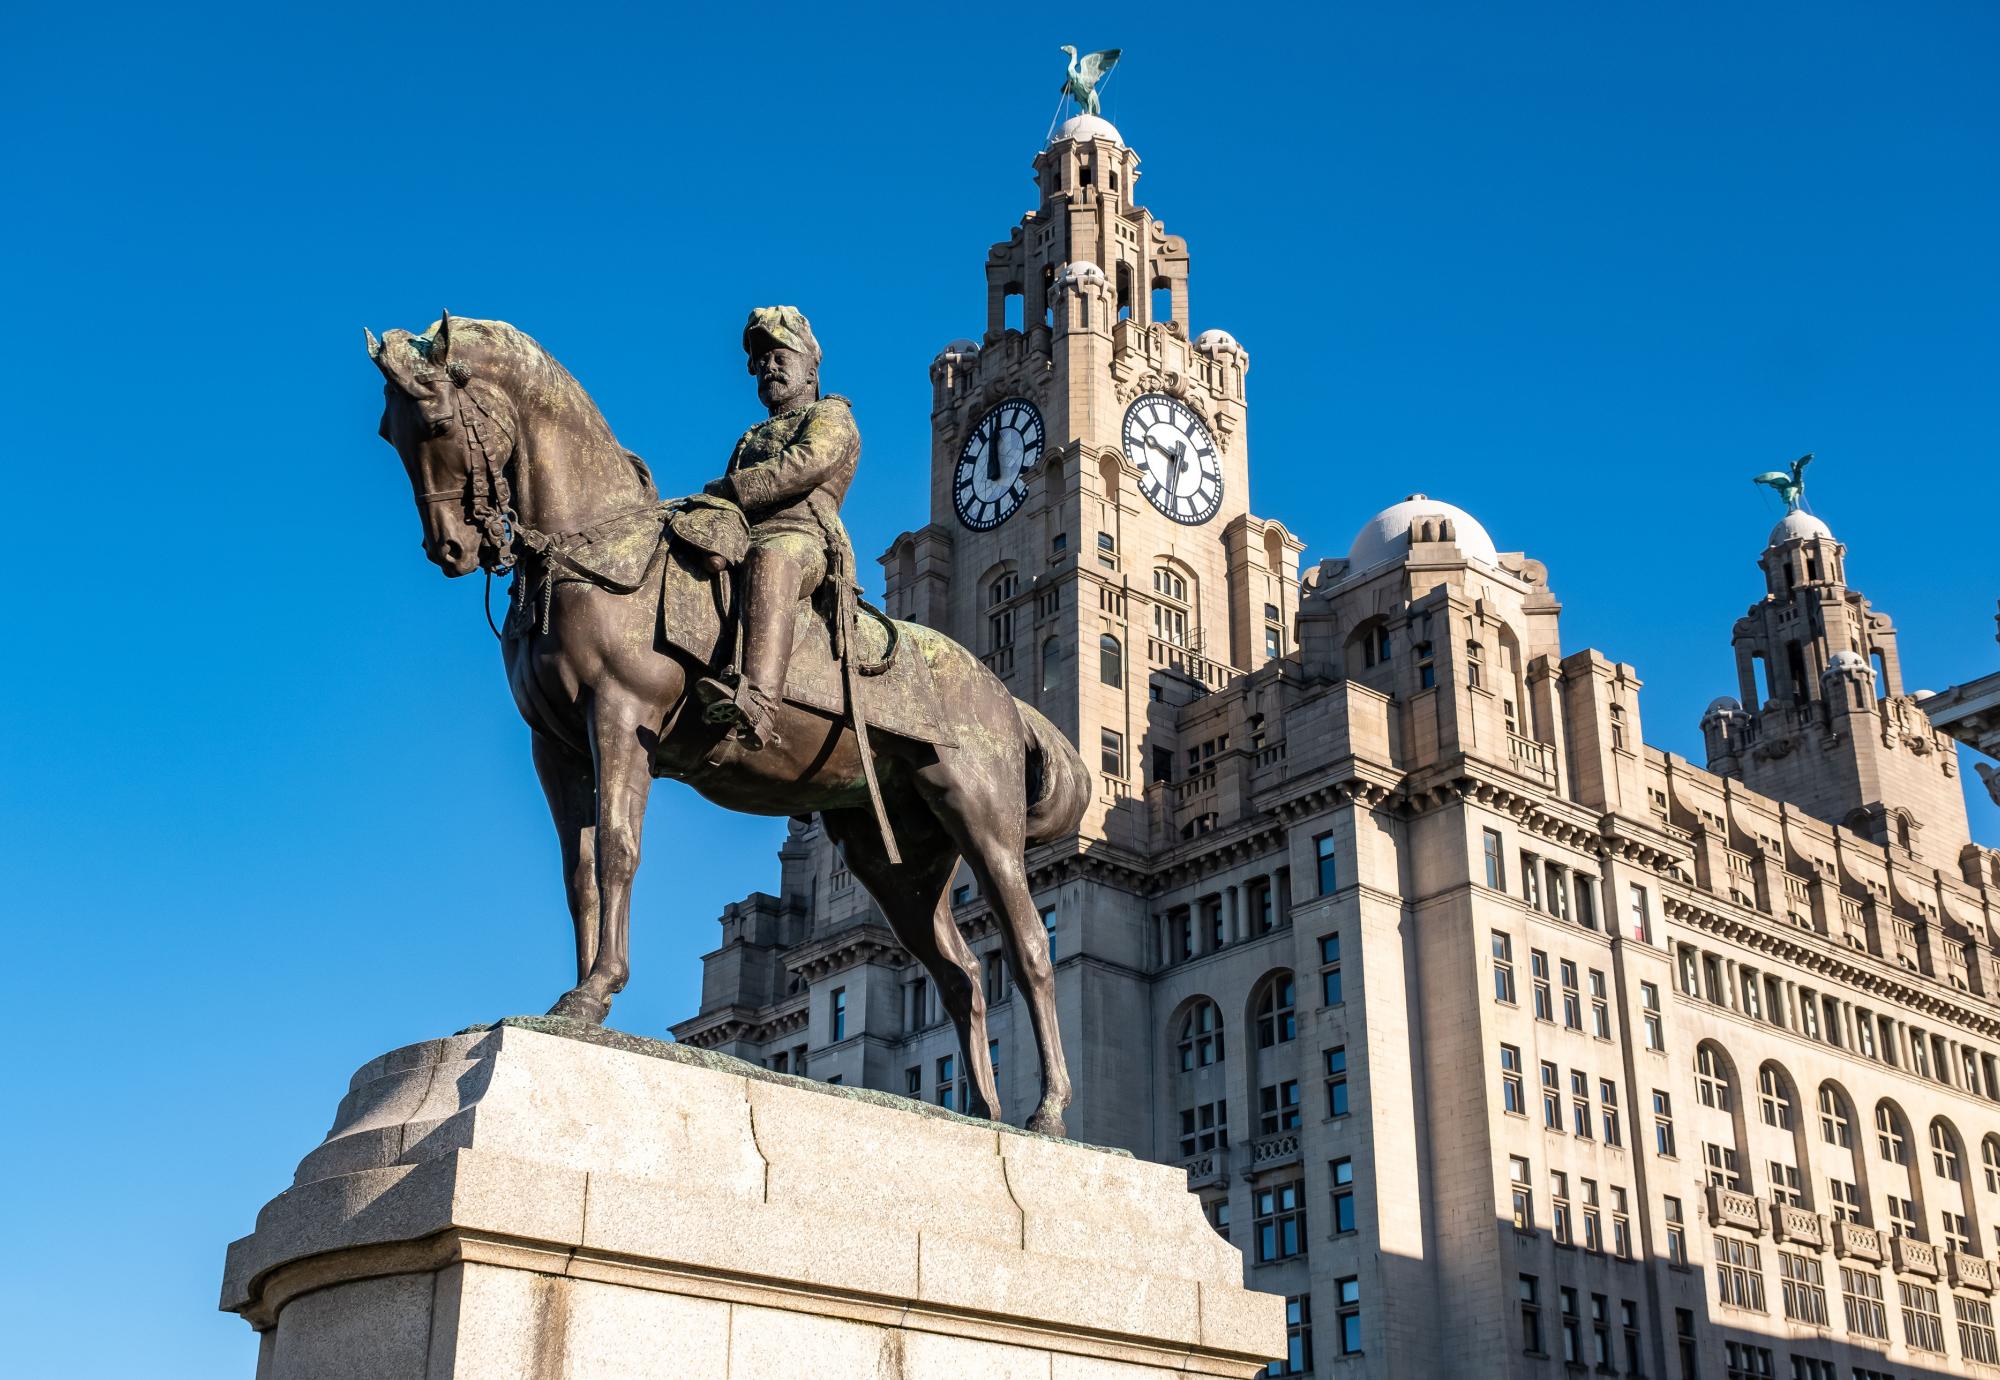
{"x": 707, "y": 540}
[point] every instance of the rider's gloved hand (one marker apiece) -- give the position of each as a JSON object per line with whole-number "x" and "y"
{"x": 720, "y": 488}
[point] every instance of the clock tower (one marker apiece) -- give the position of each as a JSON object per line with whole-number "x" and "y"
{"x": 1090, "y": 532}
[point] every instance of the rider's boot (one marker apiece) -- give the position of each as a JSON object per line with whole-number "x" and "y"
{"x": 771, "y": 581}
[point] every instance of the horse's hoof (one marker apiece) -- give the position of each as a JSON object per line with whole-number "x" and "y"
{"x": 1048, "y": 1124}
{"x": 578, "y": 1005}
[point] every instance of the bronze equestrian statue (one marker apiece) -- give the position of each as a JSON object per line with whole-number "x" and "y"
{"x": 625, "y": 653}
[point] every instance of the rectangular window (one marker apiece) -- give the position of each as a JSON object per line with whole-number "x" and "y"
{"x": 1785, "y": 1186}
{"x": 1281, "y": 1222}
{"x": 947, "y": 1080}
{"x": 1600, "y": 1332}
{"x": 1586, "y": 900}
{"x": 1329, "y": 970}
{"x": 1049, "y": 930}
{"x": 1513, "y": 1098}
{"x": 1690, "y": 965}
{"x": 1641, "y": 917}
{"x": 1976, "y": 1341}
{"x": 1600, "y": 1006}
{"x": 1336, "y": 1081}
{"x": 1861, "y": 1295}
{"x": 1552, "y": 1102}
{"x": 1741, "y": 1361}
{"x": 1503, "y": 967}
{"x": 1329, "y": 876}
{"x": 1559, "y": 1220}
{"x": 1555, "y": 895}
{"x": 1572, "y": 998}
{"x": 1649, "y": 1004}
{"x": 1628, "y": 1317}
{"x": 1111, "y": 752}
{"x": 1278, "y": 1108}
{"x": 1579, "y": 1094}
{"x": 1844, "y": 1201}
{"x": 1663, "y": 1124}
{"x": 913, "y": 1080}
{"x": 1804, "y": 1288}
{"x": 1684, "y": 1339}
{"x": 1593, "y": 1231}
{"x": 1531, "y": 1314}
{"x": 1607, "y": 1098}
{"x": 1342, "y": 1171}
{"x": 1531, "y": 879}
{"x": 1677, "y": 1245}
{"x": 1538, "y": 971}
{"x": 1621, "y": 1225}
{"x": 1496, "y": 861}
{"x": 1739, "y": 1273}
{"x": 1217, "y": 1212}
{"x": 1723, "y": 1169}
{"x": 1923, "y": 1329}
{"x": 1572, "y": 1328}
{"x": 1204, "y": 1128}
{"x": 1524, "y": 1193}
{"x": 1298, "y": 1338}
{"x": 837, "y": 1016}
{"x": 1349, "y": 1292}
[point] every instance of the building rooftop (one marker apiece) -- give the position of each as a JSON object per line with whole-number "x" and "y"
{"x": 1089, "y": 127}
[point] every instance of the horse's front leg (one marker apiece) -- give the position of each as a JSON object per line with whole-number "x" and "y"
{"x": 569, "y": 783}
{"x": 620, "y": 757}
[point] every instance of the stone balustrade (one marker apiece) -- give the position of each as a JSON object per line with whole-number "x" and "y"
{"x": 1909, "y": 1256}
{"x": 1798, "y": 1226}
{"x": 1968, "y": 1271}
{"x": 1852, "y": 1241}
{"x": 1729, "y": 1208}
{"x": 1207, "y": 1170}
{"x": 1274, "y": 1152}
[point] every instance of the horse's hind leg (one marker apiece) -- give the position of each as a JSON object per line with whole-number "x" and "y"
{"x": 912, "y": 897}
{"x": 991, "y": 825}
{"x": 571, "y": 788}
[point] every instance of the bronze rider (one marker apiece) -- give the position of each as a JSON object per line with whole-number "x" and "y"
{"x": 789, "y": 474}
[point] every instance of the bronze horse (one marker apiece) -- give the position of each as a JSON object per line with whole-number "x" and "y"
{"x": 502, "y": 446}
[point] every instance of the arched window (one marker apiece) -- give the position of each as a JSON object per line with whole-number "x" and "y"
{"x": 1945, "y": 1159}
{"x": 1110, "y": 661}
{"x": 1711, "y": 1078}
{"x": 1774, "y": 1097}
{"x": 1989, "y": 1156}
{"x": 1277, "y": 1022}
{"x": 1051, "y": 663}
{"x": 1201, "y": 1037}
{"x": 1890, "y": 1138}
{"x": 1836, "y": 1124}
{"x": 1902, "y": 830}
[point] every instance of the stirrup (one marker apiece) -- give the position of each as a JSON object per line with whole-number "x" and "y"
{"x": 745, "y": 708}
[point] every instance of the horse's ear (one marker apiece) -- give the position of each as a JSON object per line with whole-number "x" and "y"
{"x": 374, "y": 345}
{"x": 441, "y": 340}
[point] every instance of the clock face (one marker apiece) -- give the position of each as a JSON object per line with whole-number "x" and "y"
{"x": 1180, "y": 470}
{"x": 991, "y": 477}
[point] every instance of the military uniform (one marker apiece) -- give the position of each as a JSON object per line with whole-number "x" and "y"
{"x": 789, "y": 474}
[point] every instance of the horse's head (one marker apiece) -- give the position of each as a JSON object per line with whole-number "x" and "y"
{"x": 455, "y": 432}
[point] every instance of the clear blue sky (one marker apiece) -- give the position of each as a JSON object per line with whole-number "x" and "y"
{"x": 267, "y": 809}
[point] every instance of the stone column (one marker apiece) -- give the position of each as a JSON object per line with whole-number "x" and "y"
{"x": 1232, "y": 911}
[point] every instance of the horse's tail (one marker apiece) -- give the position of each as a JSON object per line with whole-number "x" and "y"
{"x": 1058, "y": 783}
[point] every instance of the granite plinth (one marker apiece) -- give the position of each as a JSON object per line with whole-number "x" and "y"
{"x": 544, "y": 1199}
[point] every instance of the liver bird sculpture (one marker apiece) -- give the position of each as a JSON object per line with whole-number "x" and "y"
{"x": 1791, "y": 487}
{"x": 1084, "y": 75}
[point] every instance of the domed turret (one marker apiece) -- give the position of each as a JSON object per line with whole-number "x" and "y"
{"x": 1387, "y": 536}
{"x": 1799, "y": 525}
{"x": 1088, "y": 127}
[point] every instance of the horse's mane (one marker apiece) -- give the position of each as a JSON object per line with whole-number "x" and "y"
{"x": 535, "y": 380}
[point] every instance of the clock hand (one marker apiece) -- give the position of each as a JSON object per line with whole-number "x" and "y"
{"x": 992, "y": 451}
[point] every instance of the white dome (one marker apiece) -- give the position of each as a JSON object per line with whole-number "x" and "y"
{"x": 1798, "y": 526}
{"x": 1386, "y": 536}
{"x": 1089, "y": 127}
{"x": 961, "y": 346}
{"x": 1079, "y": 271}
{"x": 1723, "y": 704}
{"x": 1212, "y": 341}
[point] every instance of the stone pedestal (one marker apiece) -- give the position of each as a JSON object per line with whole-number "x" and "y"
{"x": 551, "y": 1201}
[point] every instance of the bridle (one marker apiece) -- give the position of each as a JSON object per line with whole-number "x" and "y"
{"x": 487, "y": 493}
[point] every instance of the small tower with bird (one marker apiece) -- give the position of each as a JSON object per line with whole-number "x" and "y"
{"x": 1823, "y": 718}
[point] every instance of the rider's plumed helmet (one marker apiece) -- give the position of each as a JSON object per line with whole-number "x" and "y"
{"x": 786, "y": 326}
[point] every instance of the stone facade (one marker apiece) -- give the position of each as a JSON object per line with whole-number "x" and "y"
{"x": 1499, "y": 1042}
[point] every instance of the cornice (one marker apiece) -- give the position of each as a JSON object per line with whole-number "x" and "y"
{"x": 1814, "y": 954}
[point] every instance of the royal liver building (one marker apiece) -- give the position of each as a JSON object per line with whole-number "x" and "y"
{"x": 1498, "y": 1041}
